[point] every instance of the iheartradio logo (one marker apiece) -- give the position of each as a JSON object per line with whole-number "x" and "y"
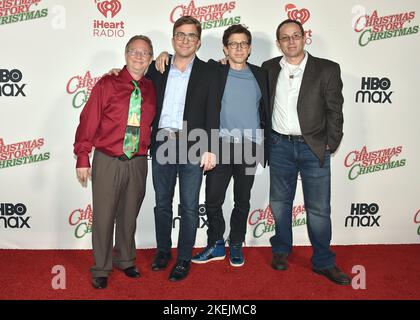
{"x": 113, "y": 6}
{"x": 107, "y": 28}
{"x": 293, "y": 13}
{"x": 301, "y": 15}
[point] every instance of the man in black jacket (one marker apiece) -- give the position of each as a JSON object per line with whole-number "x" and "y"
{"x": 185, "y": 117}
{"x": 182, "y": 98}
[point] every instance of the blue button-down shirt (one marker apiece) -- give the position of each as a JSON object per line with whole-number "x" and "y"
{"x": 175, "y": 93}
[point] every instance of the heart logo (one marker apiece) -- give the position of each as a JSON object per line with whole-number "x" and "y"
{"x": 113, "y": 6}
{"x": 301, "y": 15}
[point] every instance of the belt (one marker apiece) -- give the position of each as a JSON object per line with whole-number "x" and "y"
{"x": 230, "y": 139}
{"x": 124, "y": 157}
{"x": 288, "y": 137}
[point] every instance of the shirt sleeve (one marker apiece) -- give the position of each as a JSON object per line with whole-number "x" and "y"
{"x": 90, "y": 119}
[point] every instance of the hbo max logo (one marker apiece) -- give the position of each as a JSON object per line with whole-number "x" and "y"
{"x": 363, "y": 215}
{"x": 374, "y": 90}
{"x": 13, "y": 216}
{"x": 9, "y": 83}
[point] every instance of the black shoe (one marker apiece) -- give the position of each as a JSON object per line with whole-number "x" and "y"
{"x": 132, "y": 272}
{"x": 335, "y": 275}
{"x": 180, "y": 270}
{"x": 100, "y": 282}
{"x": 279, "y": 261}
{"x": 161, "y": 260}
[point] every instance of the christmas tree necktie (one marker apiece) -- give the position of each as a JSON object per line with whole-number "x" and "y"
{"x": 132, "y": 132}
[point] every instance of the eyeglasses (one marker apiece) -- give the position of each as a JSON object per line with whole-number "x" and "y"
{"x": 235, "y": 45}
{"x": 294, "y": 37}
{"x": 180, "y": 36}
{"x": 140, "y": 54}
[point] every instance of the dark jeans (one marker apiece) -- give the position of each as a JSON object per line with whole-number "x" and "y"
{"x": 164, "y": 181}
{"x": 287, "y": 158}
{"x": 217, "y": 182}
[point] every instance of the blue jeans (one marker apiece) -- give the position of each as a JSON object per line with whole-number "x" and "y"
{"x": 164, "y": 181}
{"x": 287, "y": 159}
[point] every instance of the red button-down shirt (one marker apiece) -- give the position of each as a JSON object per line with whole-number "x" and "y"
{"x": 104, "y": 118}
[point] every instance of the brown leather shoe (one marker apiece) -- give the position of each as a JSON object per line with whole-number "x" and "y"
{"x": 335, "y": 275}
{"x": 279, "y": 261}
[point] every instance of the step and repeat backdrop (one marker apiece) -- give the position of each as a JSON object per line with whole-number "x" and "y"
{"x": 53, "y": 52}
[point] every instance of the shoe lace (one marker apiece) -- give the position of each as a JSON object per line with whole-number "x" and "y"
{"x": 205, "y": 253}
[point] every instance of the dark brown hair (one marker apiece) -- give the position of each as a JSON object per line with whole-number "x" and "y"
{"x": 236, "y": 28}
{"x": 187, "y": 20}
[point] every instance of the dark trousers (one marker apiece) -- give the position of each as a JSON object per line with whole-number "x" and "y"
{"x": 217, "y": 182}
{"x": 118, "y": 189}
{"x": 164, "y": 180}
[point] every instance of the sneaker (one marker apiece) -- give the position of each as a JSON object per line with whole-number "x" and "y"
{"x": 211, "y": 253}
{"x": 236, "y": 257}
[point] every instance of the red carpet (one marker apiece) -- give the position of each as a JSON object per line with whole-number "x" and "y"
{"x": 392, "y": 272}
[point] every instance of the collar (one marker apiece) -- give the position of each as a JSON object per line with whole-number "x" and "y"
{"x": 302, "y": 64}
{"x": 125, "y": 76}
{"x": 229, "y": 66}
{"x": 189, "y": 66}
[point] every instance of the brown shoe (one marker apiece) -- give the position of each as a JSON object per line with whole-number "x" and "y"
{"x": 335, "y": 275}
{"x": 279, "y": 261}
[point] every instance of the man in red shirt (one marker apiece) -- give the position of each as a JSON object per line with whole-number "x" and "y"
{"x": 117, "y": 122}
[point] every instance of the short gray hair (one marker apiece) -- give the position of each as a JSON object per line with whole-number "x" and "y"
{"x": 140, "y": 37}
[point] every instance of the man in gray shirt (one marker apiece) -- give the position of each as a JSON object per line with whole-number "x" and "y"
{"x": 241, "y": 97}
